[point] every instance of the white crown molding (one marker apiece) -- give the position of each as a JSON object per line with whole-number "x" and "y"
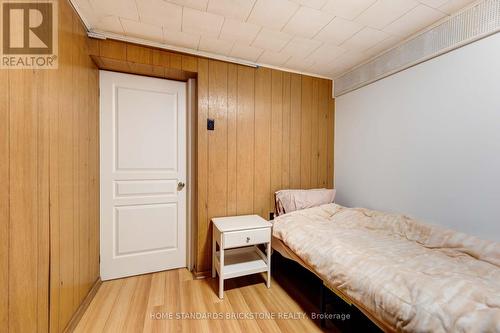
{"x": 145, "y": 42}
{"x": 96, "y": 35}
{"x": 141, "y": 41}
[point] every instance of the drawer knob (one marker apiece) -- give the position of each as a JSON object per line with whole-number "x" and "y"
{"x": 248, "y": 239}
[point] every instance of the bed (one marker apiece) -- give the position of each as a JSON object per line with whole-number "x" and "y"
{"x": 402, "y": 274}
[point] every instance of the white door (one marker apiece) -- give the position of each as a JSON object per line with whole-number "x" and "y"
{"x": 143, "y": 168}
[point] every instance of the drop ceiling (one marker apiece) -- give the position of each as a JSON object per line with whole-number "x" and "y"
{"x": 320, "y": 37}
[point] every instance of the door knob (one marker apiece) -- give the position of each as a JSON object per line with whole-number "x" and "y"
{"x": 180, "y": 186}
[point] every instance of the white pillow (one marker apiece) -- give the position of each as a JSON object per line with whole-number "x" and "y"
{"x": 290, "y": 200}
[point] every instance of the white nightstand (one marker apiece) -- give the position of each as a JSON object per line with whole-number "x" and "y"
{"x": 238, "y": 255}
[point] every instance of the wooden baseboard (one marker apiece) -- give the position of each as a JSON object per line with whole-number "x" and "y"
{"x": 202, "y": 274}
{"x": 75, "y": 319}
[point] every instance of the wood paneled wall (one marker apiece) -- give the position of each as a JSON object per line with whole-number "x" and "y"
{"x": 130, "y": 58}
{"x": 49, "y": 186}
{"x": 74, "y": 173}
{"x": 273, "y": 130}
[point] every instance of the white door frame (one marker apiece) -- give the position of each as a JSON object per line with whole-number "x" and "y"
{"x": 191, "y": 121}
{"x": 191, "y": 128}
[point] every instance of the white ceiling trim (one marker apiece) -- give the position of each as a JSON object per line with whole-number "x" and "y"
{"x": 109, "y": 35}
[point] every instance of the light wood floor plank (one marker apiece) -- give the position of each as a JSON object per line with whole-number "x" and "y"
{"x": 240, "y": 306}
{"x": 256, "y": 305}
{"x": 115, "y": 322}
{"x": 95, "y": 317}
{"x": 154, "y": 303}
{"x": 136, "y": 315}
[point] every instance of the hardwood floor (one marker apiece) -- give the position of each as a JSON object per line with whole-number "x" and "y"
{"x": 153, "y": 302}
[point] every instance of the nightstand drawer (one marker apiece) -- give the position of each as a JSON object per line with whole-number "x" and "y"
{"x": 246, "y": 237}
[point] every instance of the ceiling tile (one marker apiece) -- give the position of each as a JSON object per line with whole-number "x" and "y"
{"x": 299, "y": 63}
{"x": 271, "y": 40}
{"x": 384, "y": 12}
{"x": 453, "y": 6}
{"x": 382, "y": 46}
{"x": 364, "y": 39}
{"x": 237, "y": 9}
{"x": 126, "y": 8}
{"x": 215, "y": 45}
{"x": 202, "y": 23}
{"x": 111, "y": 24}
{"x": 246, "y": 52}
{"x": 326, "y": 53}
{"x": 351, "y": 57}
{"x": 307, "y": 22}
{"x": 316, "y": 4}
{"x": 301, "y": 47}
{"x": 338, "y": 31}
{"x": 322, "y": 68}
{"x": 182, "y": 39}
{"x": 413, "y": 21}
{"x": 272, "y": 14}
{"x": 196, "y": 4}
{"x": 234, "y": 30}
{"x": 433, "y": 3}
{"x": 273, "y": 58}
{"x": 86, "y": 11}
{"x": 82, "y": 4}
{"x": 159, "y": 12}
{"x": 338, "y": 69}
{"x": 142, "y": 30}
{"x": 348, "y": 60}
{"x": 347, "y": 9}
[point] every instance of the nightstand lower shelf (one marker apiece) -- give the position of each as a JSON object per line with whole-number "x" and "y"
{"x": 242, "y": 261}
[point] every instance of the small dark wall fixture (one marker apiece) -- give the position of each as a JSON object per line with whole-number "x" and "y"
{"x": 210, "y": 124}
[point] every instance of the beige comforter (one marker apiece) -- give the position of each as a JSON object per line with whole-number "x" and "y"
{"x": 409, "y": 275}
